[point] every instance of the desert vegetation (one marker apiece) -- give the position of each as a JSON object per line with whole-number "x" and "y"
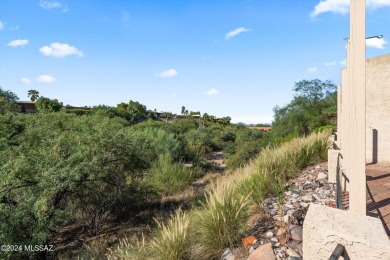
{"x": 99, "y": 167}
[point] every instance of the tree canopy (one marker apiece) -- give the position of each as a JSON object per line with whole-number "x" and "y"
{"x": 307, "y": 111}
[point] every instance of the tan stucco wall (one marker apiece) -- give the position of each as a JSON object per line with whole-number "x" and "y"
{"x": 362, "y": 237}
{"x": 378, "y": 109}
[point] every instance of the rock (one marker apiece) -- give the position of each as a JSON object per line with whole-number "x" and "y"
{"x": 269, "y": 234}
{"x": 285, "y": 219}
{"x": 322, "y": 176}
{"x": 251, "y": 249}
{"x": 277, "y": 245}
{"x": 305, "y": 205}
{"x": 308, "y": 197}
{"x": 227, "y": 255}
{"x": 248, "y": 242}
{"x": 299, "y": 248}
{"x": 264, "y": 252}
{"x": 293, "y": 258}
{"x": 295, "y": 232}
{"x": 291, "y": 252}
{"x": 274, "y": 239}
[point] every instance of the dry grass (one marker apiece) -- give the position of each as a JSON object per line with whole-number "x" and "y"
{"x": 221, "y": 219}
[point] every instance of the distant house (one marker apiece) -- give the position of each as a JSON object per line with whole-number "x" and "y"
{"x": 27, "y": 107}
{"x": 262, "y": 128}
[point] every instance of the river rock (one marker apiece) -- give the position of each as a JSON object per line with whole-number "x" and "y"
{"x": 264, "y": 252}
{"x": 295, "y": 232}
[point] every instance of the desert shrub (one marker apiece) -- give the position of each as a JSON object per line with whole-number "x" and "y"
{"x": 281, "y": 163}
{"x": 163, "y": 142}
{"x": 221, "y": 219}
{"x": 197, "y": 142}
{"x": 130, "y": 249}
{"x": 63, "y": 168}
{"x": 167, "y": 177}
{"x": 181, "y": 126}
{"x": 173, "y": 239}
{"x": 332, "y": 128}
{"x": 243, "y": 153}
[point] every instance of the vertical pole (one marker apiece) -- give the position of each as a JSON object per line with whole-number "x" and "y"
{"x": 345, "y": 125}
{"x": 357, "y": 105}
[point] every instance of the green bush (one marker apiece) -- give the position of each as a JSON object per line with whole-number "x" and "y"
{"x": 57, "y": 167}
{"x": 167, "y": 177}
{"x": 162, "y": 142}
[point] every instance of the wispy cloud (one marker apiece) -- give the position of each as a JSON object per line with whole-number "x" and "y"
{"x": 330, "y": 63}
{"x": 16, "y": 43}
{"x": 126, "y": 19}
{"x": 312, "y": 70}
{"x": 212, "y": 92}
{"x": 342, "y": 6}
{"x": 168, "y": 73}
{"x": 236, "y": 32}
{"x": 1, "y": 25}
{"x": 343, "y": 62}
{"x": 24, "y": 80}
{"x": 45, "y": 4}
{"x": 60, "y": 50}
{"x": 46, "y": 79}
{"x": 376, "y": 43}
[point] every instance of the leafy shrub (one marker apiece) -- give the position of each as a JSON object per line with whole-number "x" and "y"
{"x": 162, "y": 142}
{"x": 64, "y": 168}
{"x": 167, "y": 177}
{"x": 182, "y": 126}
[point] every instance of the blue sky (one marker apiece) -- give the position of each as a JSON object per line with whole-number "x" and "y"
{"x": 237, "y": 58}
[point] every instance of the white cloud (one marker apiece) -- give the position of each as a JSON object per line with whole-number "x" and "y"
{"x": 312, "y": 70}
{"x": 53, "y": 5}
{"x": 343, "y": 62}
{"x": 168, "y": 73}
{"x": 60, "y": 50}
{"x": 374, "y": 4}
{"x": 212, "y": 92}
{"x": 342, "y": 6}
{"x": 376, "y": 43}
{"x": 334, "y": 6}
{"x": 252, "y": 119}
{"x": 46, "y": 79}
{"x": 1, "y": 25}
{"x": 24, "y": 80}
{"x": 330, "y": 63}
{"x": 17, "y": 43}
{"x": 236, "y": 32}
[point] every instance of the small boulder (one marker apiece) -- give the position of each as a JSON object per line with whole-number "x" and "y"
{"x": 269, "y": 234}
{"x": 291, "y": 252}
{"x": 295, "y": 232}
{"x": 227, "y": 255}
{"x": 264, "y": 252}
